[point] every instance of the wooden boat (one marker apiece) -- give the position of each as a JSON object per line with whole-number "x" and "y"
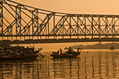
{"x": 68, "y": 54}
{"x": 19, "y": 52}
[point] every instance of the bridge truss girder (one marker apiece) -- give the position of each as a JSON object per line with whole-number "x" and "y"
{"x": 18, "y": 20}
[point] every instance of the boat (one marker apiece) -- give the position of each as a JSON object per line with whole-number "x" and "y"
{"x": 70, "y": 53}
{"x": 19, "y": 52}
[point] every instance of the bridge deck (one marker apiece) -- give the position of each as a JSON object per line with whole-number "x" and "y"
{"x": 59, "y": 40}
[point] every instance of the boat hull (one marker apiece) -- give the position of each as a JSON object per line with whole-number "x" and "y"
{"x": 18, "y": 53}
{"x": 16, "y": 58}
{"x": 65, "y": 55}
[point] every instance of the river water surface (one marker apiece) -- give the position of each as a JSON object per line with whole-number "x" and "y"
{"x": 91, "y": 64}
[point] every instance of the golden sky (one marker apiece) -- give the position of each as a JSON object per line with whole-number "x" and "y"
{"x": 76, "y": 6}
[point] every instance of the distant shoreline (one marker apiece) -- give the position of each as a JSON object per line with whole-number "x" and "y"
{"x": 97, "y": 46}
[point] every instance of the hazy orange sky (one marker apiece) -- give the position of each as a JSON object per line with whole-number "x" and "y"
{"x": 76, "y": 6}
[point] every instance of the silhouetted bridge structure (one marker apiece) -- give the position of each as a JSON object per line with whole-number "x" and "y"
{"x": 20, "y": 23}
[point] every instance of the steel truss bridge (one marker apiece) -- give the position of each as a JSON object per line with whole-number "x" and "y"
{"x": 22, "y": 23}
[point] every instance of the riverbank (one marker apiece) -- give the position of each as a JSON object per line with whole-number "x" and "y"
{"x": 97, "y": 46}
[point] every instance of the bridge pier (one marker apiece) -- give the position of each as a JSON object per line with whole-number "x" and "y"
{"x": 1, "y": 18}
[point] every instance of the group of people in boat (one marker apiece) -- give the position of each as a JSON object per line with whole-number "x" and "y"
{"x": 18, "y": 52}
{"x": 69, "y": 53}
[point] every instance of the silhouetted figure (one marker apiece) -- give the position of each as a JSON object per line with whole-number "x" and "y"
{"x": 60, "y": 51}
{"x": 78, "y": 49}
{"x": 70, "y": 49}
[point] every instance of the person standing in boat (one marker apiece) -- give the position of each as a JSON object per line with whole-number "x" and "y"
{"x": 70, "y": 49}
{"x": 60, "y": 51}
{"x": 78, "y": 49}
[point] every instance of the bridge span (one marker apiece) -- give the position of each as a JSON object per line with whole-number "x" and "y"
{"x": 23, "y": 23}
{"x": 30, "y": 41}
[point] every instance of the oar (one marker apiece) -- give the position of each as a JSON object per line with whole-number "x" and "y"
{"x": 39, "y": 52}
{"x": 41, "y": 55}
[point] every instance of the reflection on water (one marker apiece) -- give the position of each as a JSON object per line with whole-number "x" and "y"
{"x": 20, "y": 69}
{"x": 90, "y": 65}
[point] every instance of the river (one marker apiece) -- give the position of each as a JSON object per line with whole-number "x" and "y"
{"x": 91, "y": 64}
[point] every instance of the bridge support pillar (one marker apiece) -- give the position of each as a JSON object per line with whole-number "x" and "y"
{"x": 1, "y": 18}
